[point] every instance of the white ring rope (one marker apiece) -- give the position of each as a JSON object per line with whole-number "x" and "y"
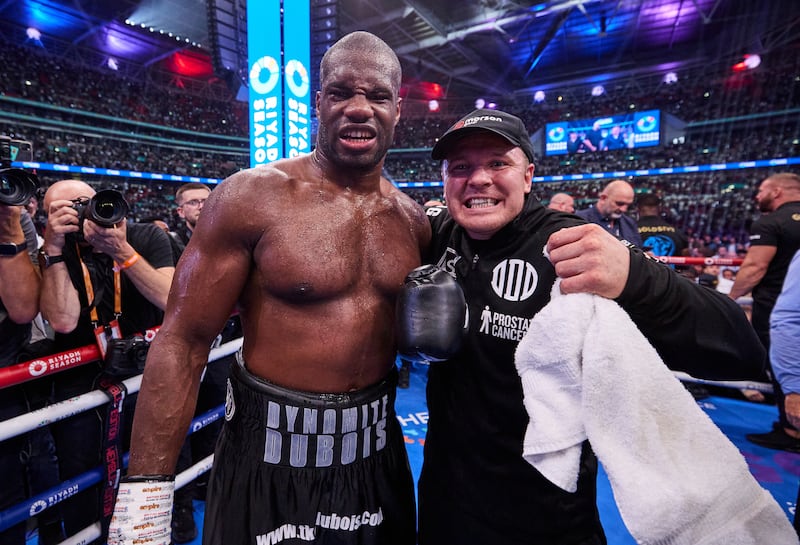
{"x": 74, "y": 405}
{"x": 736, "y": 384}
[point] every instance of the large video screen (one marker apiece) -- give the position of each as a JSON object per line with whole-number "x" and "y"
{"x": 613, "y": 132}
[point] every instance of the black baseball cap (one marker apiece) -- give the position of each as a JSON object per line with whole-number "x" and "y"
{"x": 504, "y": 124}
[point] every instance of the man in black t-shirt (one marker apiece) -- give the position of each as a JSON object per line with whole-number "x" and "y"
{"x": 78, "y": 276}
{"x": 658, "y": 236}
{"x": 774, "y": 239}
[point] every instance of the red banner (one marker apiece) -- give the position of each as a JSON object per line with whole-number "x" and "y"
{"x": 54, "y": 363}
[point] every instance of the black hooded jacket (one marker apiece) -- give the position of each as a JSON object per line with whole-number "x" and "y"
{"x": 475, "y": 486}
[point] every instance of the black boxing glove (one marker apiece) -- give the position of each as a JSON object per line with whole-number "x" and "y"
{"x": 431, "y": 315}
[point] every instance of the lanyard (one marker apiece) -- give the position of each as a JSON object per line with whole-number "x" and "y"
{"x": 99, "y": 329}
{"x": 111, "y": 455}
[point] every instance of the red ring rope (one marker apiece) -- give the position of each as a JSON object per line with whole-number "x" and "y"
{"x": 676, "y": 260}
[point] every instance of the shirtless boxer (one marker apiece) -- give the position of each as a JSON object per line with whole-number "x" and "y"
{"x": 313, "y": 251}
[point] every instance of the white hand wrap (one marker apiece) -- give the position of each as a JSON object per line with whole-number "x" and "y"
{"x": 142, "y": 513}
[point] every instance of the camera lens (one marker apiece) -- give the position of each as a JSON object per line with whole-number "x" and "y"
{"x": 17, "y": 186}
{"x": 107, "y": 208}
{"x": 139, "y": 355}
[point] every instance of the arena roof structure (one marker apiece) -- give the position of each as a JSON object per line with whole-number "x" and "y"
{"x": 506, "y": 46}
{"x": 100, "y": 25}
{"x": 448, "y": 48}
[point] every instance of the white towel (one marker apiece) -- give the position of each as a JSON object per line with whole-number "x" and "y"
{"x": 588, "y": 372}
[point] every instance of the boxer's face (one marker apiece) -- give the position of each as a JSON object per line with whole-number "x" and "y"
{"x": 486, "y": 179}
{"x": 358, "y": 108}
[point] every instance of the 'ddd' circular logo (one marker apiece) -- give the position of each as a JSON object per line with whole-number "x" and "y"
{"x": 296, "y": 71}
{"x": 37, "y": 367}
{"x": 269, "y": 65}
{"x": 514, "y": 279}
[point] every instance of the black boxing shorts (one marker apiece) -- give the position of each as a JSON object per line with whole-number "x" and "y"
{"x": 299, "y": 467}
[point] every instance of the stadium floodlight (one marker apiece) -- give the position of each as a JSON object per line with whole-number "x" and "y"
{"x": 433, "y": 106}
{"x": 34, "y": 36}
{"x": 479, "y": 103}
{"x": 538, "y": 96}
{"x": 752, "y": 61}
{"x": 598, "y": 90}
{"x": 670, "y": 78}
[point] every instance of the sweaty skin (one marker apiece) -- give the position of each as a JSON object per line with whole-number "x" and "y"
{"x": 312, "y": 250}
{"x": 318, "y": 307}
{"x": 315, "y": 285}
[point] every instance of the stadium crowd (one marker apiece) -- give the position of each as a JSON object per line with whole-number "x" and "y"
{"x": 739, "y": 117}
{"x": 30, "y": 73}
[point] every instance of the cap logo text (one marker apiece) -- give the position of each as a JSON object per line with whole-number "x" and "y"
{"x": 473, "y": 120}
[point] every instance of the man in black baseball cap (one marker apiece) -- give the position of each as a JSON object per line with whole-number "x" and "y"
{"x": 475, "y": 486}
{"x": 506, "y": 125}
{"x": 483, "y": 145}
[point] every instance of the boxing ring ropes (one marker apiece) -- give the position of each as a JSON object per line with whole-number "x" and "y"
{"x": 55, "y": 363}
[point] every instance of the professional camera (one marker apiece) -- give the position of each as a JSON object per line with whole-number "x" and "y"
{"x": 107, "y": 208}
{"x": 17, "y": 186}
{"x": 126, "y": 357}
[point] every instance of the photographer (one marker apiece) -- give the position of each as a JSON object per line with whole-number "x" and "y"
{"x": 82, "y": 261}
{"x": 19, "y": 292}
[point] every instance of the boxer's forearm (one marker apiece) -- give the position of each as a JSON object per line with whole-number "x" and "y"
{"x": 165, "y": 405}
